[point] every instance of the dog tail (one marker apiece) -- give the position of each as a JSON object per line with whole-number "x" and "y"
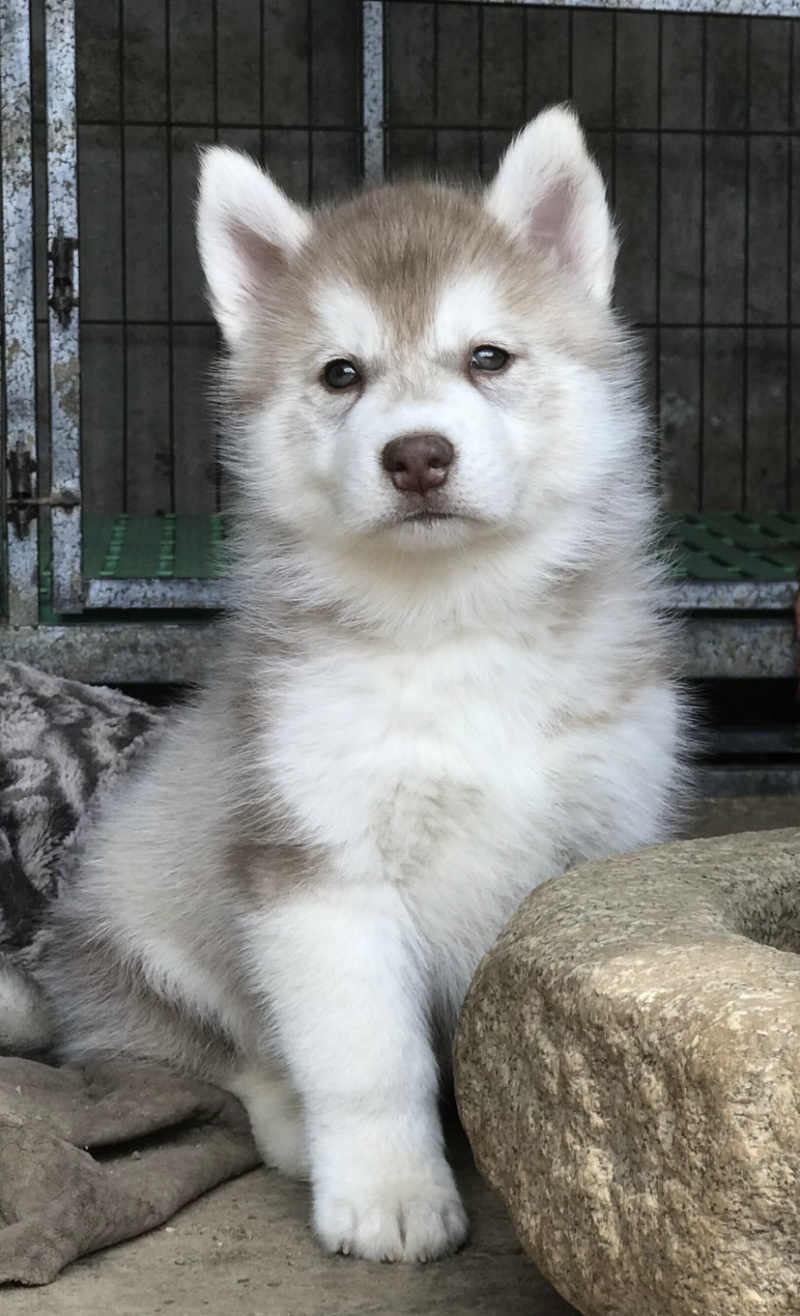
{"x": 25, "y": 1027}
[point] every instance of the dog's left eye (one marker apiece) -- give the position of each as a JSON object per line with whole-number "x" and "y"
{"x": 488, "y": 357}
{"x": 341, "y": 374}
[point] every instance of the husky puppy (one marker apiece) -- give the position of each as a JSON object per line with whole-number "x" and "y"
{"x": 445, "y": 677}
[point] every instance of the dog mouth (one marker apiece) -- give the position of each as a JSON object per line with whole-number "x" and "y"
{"x": 425, "y": 517}
{"x": 420, "y": 526}
{"x": 429, "y": 516}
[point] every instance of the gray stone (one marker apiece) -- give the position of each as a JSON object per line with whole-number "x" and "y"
{"x": 628, "y": 1072}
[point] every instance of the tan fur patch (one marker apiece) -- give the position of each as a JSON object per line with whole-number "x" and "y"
{"x": 401, "y": 246}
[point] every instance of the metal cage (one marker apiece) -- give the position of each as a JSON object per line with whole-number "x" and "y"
{"x": 114, "y": 508}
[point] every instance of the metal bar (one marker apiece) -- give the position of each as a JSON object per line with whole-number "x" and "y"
{"x": 170, "y": 289}
{"x": 107, "y": 592}
{"x": 614, "y": 44}
{"x": 211, "y": 593}
{"x": 231, "y": 125}
{"x": 310, "y": 99}
{"x": 64, "y": 331}
{"x": 219, "y": 484}
{"x": 756, "y": 8}
{"x": 480, "y": 107}
{"x": 701, "y": 342}
{"x": 789, "y": 268}
{"x": 435, "y": 160}
{"x": 732, "y": 596}
{"x": 19, "y": 364}
{"x": 746, "y": 273}
{"x": 373, "y": 144}
{"x": 123, "y": 242}
{"x": 657, "y": 343}
{"x": 636, "y": 324}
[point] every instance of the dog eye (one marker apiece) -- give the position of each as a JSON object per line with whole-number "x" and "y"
{"x": 341, "y": 374}
{"x": 488, "y": 358}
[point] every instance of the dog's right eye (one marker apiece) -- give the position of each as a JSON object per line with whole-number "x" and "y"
{"x": 341, "y": 374}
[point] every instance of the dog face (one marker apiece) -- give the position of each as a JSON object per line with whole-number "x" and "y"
{"x": 421, "y": 364}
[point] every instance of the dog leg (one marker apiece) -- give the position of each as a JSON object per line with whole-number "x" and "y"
{"x": 344, "y": 981}
{"x": 276, "y": 1118}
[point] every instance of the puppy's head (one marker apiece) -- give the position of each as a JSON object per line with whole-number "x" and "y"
{"x": 421, "y": 364}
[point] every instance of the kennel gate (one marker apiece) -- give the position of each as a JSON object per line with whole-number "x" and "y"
{"x": 113, "y": 512}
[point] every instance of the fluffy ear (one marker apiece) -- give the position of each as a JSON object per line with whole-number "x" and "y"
{"x": 247, "y": 230}
{"x": 550, "y": 191}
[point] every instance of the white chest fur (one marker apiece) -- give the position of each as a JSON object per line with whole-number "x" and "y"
{"x": 428, "y": 770}
{"x": 467, "y": 771}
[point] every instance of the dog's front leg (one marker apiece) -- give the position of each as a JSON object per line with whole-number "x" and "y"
{"x": 344, "y": 978}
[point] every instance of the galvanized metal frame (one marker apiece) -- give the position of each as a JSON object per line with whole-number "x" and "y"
{"x": 373, "y": 95}
{"x": 161, "y": 594}
{"x": 72, "y": 592}
{"x": 755, "y": 8}
{"x": 19, "y": 356}
{"x": 64, "y": 337}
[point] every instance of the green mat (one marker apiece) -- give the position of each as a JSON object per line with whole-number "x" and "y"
{"x": 734, "y": 546}
{"x": 153, "y": 547}
{"x": 720, "y": 546}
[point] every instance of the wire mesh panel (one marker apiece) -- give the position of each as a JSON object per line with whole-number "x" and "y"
{"x": 156, "y": 79}
{"x": 693, "y": 116}
{"x": 695, "y": 121}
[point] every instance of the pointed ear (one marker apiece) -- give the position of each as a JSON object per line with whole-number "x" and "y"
{"x": 247, "y": 231}
{"x": 550, "y": 192}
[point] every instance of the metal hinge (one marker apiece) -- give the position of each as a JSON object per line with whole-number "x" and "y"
{"x": 21, "y": 506}
{"x": 63, "y": 300}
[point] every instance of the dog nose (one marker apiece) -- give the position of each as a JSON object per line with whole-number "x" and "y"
{"x": 418, "y": 462}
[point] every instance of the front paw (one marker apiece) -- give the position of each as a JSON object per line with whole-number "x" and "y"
{"x": 414, "y": 1219}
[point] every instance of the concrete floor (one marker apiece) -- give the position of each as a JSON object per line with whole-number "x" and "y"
{"x": 246, "y": 1249}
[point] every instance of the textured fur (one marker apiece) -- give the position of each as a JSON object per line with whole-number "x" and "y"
{"x": 413, "y": 721}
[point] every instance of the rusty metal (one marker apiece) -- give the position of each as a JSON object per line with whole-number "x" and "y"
{"x": 21, "y": 503}
{"x": 62, "y": 299}
{"x": 20, "y": 500}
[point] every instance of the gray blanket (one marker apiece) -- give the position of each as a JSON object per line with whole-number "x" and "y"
{"x": 87, "y": 1157}
{"x": 62, "y": 744}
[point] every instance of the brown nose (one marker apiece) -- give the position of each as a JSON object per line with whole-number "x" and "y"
{"x": 418, "y": 462}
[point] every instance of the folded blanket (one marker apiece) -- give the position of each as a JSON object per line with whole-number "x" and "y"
{"x": 62, "y": 745}
{"x": 90, "y": 1157}
{"x": 87, "y": 1157}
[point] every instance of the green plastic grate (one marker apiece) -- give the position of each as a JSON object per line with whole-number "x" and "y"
{"x": 733, "y": 546}
{"x": 720, "y": 547}
{"x": 153, "y": 547}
